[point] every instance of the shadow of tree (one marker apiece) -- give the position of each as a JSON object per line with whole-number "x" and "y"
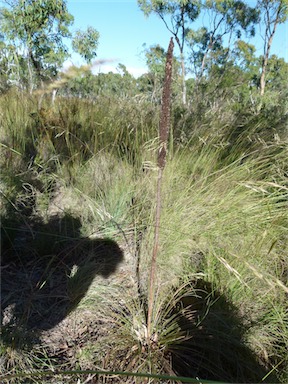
{"x": 215, "y": 347}
{"x": 46, "y": 269}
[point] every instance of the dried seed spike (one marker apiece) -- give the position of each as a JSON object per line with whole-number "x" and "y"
{"x": 165, "y": 111}
{"x": 163, "y": 137}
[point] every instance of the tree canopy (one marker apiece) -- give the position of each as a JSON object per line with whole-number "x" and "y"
{"x": 33, "y": 32}
{"x": 86, "y": 43}
{"x": 32, "y": 40}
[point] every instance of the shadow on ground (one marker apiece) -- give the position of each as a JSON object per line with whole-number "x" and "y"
{"x": 215, "y": 347}
{"x": 46, "y": 269}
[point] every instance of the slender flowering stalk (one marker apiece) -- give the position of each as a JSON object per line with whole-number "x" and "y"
{"x": 161, "y": 161}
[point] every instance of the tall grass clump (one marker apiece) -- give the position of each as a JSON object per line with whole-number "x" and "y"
{"x": 73, "y": 130}
{"x": 228, "y": 226}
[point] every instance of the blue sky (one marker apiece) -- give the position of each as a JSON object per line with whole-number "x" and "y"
{"x": 124, "y": 29}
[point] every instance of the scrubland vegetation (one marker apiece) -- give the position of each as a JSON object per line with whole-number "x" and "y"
{"x": 78, "y": 197}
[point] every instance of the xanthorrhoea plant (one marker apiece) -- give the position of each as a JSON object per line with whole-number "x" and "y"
{"x": 162, "y": 153}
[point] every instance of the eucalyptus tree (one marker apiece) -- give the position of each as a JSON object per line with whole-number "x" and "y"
{"x": 86, "y": 43}
{"x": 225, "y": 21}
{"x": 273, "y": 13}
{"x": 35, "y": 30}
{"x": 5, "y": 65}
{"x": 177, "y": 16}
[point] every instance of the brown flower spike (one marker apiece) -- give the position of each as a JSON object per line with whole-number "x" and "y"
{"x": 165, "y": 112}
{"x": 163, "y": 138}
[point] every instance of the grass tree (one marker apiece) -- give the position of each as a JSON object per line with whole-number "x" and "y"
{"x": 162, "y": 153}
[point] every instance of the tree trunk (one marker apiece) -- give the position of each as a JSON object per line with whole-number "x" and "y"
{"x": 263, "y": 75}
{"x": 30, "y": 72}
{"x": 184, "y": 91}
{"x": 267, "y": 51}
{"x": 265, "y": 61}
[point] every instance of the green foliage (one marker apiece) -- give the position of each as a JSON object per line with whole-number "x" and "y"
{"x": 155, "y": 60}
{"x": 273, "y": 13}
{"x": 277, "y": 72}
{"x": 245, "y": 55}
{"x": 274, "y": 10}
{"x": 235, "y": 13}
{"x": 82, "y": 83}
{"x": 226, "y": 19}
{"x": 174, "y": 8}
{"x": 151, "y": 84}
{"x": 86, "y": 43}
{"x": 177, "y": 17}
{"x": 36, "y": 29}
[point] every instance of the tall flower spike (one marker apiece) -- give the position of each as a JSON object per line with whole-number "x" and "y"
{"x": 163, "y": 138}
{"x": 165, "y": 111}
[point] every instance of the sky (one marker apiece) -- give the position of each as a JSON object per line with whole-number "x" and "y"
{"x": 125, "y": 33}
